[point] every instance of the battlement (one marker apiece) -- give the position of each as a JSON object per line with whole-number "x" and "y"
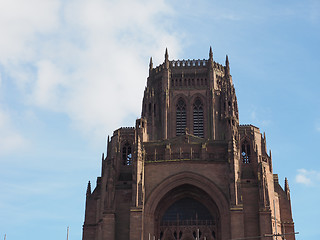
{"x": 123, "y": 130}
{"x": 189, "y": 64}
{"x": 248, "y": 126}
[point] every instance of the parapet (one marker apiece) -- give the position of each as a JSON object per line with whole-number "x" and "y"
{"x": 123, "y": 130}
{"x": 243, "y": 126}
{"x": 188, "y": 64}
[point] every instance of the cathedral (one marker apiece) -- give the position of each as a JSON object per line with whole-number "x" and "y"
{"x": 187, "y": 169}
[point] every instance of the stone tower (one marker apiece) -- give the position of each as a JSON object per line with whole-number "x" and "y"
{"x": 187, "y": 169}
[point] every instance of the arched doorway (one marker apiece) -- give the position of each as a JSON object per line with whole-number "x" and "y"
{"x": 187, "y": 212}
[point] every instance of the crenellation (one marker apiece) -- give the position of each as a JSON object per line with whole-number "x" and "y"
{"x": 194, "y": 63}
{"x": 248, "y": 125}
{"x": 189, "y": 63}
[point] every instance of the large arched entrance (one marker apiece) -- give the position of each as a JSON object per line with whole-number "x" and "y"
{"x": 186, "y": 185}
{"x": 187, "y": 212}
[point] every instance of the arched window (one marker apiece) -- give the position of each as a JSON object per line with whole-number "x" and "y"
{"x": 186, "y": 209}
{"x": 193, "y": 218}
{"x": 245, "y": 152}
{"x": 198, "y": 118}
{"x": 181, "y": 119}
{"x": 126, "y": 154}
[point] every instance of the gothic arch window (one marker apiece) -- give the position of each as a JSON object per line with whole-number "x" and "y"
{"x": 198, "y": 118}
{"x": 181, "y": 119}
{"x": 127, "y": 154}
{"x": 186, "y": 209}
{"x": 245, "y": 152}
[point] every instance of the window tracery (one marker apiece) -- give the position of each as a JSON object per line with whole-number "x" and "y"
{"x": 188, "y": 219}
{"x": 181, "y": 120}
{"x": 198, "y": 118}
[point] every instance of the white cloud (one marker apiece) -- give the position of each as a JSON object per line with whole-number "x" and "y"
{"x": 10, "y": 138}
{"x": 20, "y": 22}
{"x": 301, "y": 178}
{"x": 85, "y": 58}
{"x": 308, "y": 177}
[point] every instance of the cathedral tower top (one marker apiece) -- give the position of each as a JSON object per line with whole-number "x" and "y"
{"x": 197, "y": 95}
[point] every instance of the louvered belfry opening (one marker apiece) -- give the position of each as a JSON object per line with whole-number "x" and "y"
{"x": 198, "y": 118}
{"x": 181, "y": 118}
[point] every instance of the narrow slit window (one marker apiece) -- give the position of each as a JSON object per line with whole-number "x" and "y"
{"x": 198, "y": 118}
{"x": 181, "y": 117}
{"x": 149, "y": 108}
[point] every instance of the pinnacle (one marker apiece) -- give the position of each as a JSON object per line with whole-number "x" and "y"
{"x": 151, "y": 63}
{"x": 166, "y": 55}
{"x": 89, "y": 188}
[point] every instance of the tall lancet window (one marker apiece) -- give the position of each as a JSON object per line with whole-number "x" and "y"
{"x": 245, "y": 152}
{"x": 198, "y": 118}
{"x": 181, "y": 117}
{"x": 126, "y": 154}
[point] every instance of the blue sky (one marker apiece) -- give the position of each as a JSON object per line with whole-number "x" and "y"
{"x": 73, "y": 71}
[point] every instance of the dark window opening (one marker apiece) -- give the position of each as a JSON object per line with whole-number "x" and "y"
{"x": 195, "y": 234}
{"x": 176, "y": 235}
{"x": 144, "y": 109}
{"x": 126, "y": 154}
{"x": 181, "y": 120}
{"x": 198, "y": 118}
{"x": 187, "y": 209}
{"x": 149, "y": 109}
{"x": 245, "y": 152}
